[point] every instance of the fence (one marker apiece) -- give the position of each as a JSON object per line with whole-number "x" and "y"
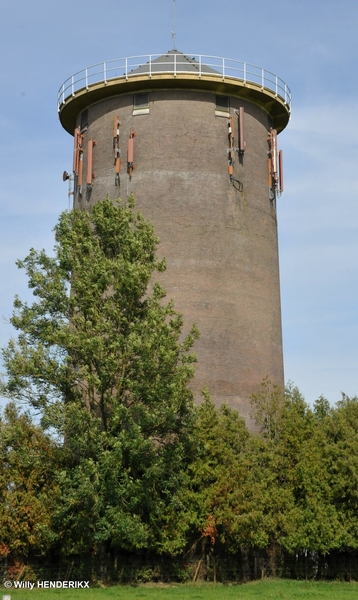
{"x": 244, "y": 566}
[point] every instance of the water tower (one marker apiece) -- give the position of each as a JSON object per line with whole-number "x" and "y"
{"x": 194, "y": 138}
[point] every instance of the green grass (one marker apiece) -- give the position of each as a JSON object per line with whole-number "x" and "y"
{"x": 270, "y": 588}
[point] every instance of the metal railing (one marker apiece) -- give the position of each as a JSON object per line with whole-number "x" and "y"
{"x": 174, "y": 64}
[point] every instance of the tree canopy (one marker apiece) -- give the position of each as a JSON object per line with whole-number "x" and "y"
{"x": 101, "y": 358}
{"x": 102, "y": 450}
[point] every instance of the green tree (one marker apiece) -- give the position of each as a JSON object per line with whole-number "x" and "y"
{"x": 296, "y": 499}
{"x": 313, "y": 521}
{"x": 27, "y": 486}
{"x": 102, "y": 358}
{"x": 340, "y": 425}
{"x": 214, "y": 502}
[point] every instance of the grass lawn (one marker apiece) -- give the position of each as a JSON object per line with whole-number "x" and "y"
{"x": 270, "y": 588}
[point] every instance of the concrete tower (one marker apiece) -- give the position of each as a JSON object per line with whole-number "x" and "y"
{"x": 194, "y": 138}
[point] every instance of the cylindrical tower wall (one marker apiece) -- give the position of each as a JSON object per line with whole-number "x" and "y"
{"x": 220, "y": 243}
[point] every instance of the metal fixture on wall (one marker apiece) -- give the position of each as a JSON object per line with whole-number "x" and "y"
{"x": 89, "y": 175}
{"x": 117, "y": 150}
{"x": 130, "y": 156}
{"x": 78, "y": 159}
{"x": 274, "y": 165}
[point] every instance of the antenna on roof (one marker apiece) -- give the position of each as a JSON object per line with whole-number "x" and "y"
{"x": 174, "y": 25}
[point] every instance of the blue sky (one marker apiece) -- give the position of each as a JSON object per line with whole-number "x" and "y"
{"x": 312, "y": 45}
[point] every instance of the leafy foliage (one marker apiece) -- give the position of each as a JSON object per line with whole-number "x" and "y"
{"x": 102, "y": 360}
{"x": 27, "y": 485}
{"x": 214, "y": 500}
{"x": 120, "y": 460}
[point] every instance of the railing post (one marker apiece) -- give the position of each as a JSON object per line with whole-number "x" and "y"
{"x": 262, "y": 79}
{"x": 175, "y": 65}
{"x": 86, "y": 79}
{"x": 126, "y": 69}
{"x": 150, "y": 66}
{"x": 244, "y": 73}
{"x": 223, "y": 69}
{"x": 276, "y": 87}
{"x": 199, "y": 66}
{"x": 105, "y": 73}
{"x": 73, "y": 85}
{"x": 63, "y": 93}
